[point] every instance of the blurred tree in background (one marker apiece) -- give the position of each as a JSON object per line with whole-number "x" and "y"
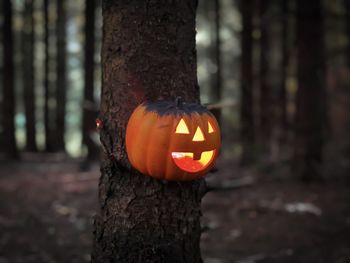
{"x": 311, "y": 109}
{"x": 47, "y": 94}
{"x": 89, "y": 106}
{"x": 8, "y": 141}
{"x": 247, "y": 106}
{"x": 27, "y": 45}
{"x": 61, "y": 75}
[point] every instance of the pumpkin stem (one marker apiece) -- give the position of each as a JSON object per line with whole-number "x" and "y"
{"x": 179, "y": 102}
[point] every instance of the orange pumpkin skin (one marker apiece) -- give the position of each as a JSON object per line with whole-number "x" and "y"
{"x": 159, "y": 146}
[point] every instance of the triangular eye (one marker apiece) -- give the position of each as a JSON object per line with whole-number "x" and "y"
{"x": 182, "y": 127}
{"x": 198, "y": 136}
{"x": 210, "y": 128}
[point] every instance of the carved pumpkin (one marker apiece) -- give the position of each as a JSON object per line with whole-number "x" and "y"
{"x": 172, "y": 140}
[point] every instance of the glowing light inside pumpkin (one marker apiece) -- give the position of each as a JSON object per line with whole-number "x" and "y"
{"x": 210, "y": 128}
{"x": 198, "y": 136}
{"x": 182, "y": 127}
{"x": 184, "y": 160}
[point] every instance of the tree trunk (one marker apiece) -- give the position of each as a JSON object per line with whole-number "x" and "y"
{"x": 283, "y": 120}
{"x": 1, "y": 90}
{"x": 347, "y": 17}
{"x": 89, "y": 112}
{"x": 265, "y": 102}
{"x": 47, "y": 127}
{"x": 28, "y": 75}
{"x": 310, "y": 98}
{"x": 8, "y": 105}
{"x": 272, "y": 89}
{"x": 148, "y": 53}
{"x": 217, "y": 83}
{"x": 61, "y": 81}
{"x": 344, "y": 97}
{"x": 247, "y": 117}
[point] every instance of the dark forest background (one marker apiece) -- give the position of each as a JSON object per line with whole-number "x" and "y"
{"x": 276, "y": 74}
{"x": 274, "y": 104}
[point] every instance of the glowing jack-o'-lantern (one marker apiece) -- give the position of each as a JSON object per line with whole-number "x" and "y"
{"x": 172, "y": 140}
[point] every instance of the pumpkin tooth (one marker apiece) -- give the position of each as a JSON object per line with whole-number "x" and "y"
{"x": 197, "y": 156}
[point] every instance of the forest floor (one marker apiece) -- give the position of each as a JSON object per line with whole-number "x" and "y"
{"x": 46, "y": 211}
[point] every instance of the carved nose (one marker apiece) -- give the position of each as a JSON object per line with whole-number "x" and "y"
{"x": 198, "y": 136}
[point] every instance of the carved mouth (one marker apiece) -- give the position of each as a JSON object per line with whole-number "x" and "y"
{"x": 185, "y": 161}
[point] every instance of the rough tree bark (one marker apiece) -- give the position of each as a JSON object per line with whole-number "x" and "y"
{"x": 148, "y": 53}
{"x": 61, "y": 81}
{"x": 310, "y": 98}
{"x": 89, "y": 112}
{"x": 8, "y": 105}
{"x": 247, "y": 116}
{"x": 28, "y": 76}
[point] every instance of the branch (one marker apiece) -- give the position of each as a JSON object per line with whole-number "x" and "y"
{"x": 221, "y": 104}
